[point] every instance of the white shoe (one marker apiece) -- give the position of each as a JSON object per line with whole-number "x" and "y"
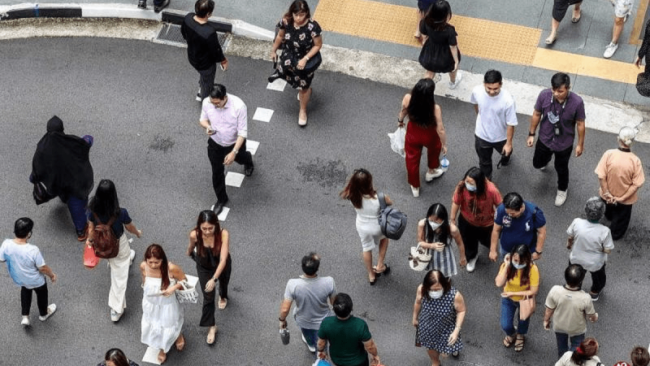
{"x": 25, "y": 322}
{"x": 544, "y": 167}
{"x": 416, "y": 191}
{"x": 115, "y": 316}
{"x": 459, "y": 77}
{"x": 436, "y": 173}
{"x": 610, "y": 49}
{"x": 471, "y": 264}
{"x": 311, "y": 349}
{"x": 131, "y": 257}
{"x": 560, "y": 198}
{"x": 50, "y": 310}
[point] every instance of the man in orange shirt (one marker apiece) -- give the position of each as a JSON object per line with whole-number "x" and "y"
{"x": 620, "y": 175}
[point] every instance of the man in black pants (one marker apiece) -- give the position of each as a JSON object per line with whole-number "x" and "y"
{"x": 558, "y": 112}
{"x": 225, "y": 119}
{"x": 203, "y": 48}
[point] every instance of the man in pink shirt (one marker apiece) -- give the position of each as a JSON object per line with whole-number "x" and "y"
{"x": 620, "y": 175}
{"x": 225, "y": 119}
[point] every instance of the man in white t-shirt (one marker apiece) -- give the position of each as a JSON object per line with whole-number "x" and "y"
{"x": 28, "y": 269}
{"x": 496, "y": 118}
{"x": 569, "y": 307}
{"x": 310, "y": 293}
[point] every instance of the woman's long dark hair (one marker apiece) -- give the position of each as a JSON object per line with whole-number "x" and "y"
{"x": 297, "y": 6}
{"x": 156, "y": 251}
{"x": 524, "y": 257}
{"x": 211, "y": 218}
{"x": 116, "y": 356}
{"x": 478, "y": 176}
{"x": 422, "y": 105}
{"x": 438, "y": 15}
{"x": 359, "y": 185}
{"x": 439, "y": 210}
{"x": 585, "y": 351}
{"x": 105, "y": 202}
{"x": 431, "y": 278}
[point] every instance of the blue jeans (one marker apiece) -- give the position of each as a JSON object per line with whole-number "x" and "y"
{"x": 508, "y": 309}
{"x": 77, "y": 208}
{"x": 563, "y": 340}
{"x": 311, "y": 336}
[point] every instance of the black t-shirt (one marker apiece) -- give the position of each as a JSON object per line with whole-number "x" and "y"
{"x": 203, "y": 48}
{"x": 118, "y": 224}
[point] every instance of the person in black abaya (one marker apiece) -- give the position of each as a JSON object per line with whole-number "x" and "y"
{"x": 61, "y": 162}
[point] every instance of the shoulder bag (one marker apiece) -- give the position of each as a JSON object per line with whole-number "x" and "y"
{"x": 391, "y": 220}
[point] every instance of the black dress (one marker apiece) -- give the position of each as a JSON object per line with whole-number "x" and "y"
{"x": 206, "y": 266}
{"x": 296, "y": 44}
{"x": 436, "y": 55}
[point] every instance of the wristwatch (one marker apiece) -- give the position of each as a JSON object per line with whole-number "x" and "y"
{"x": 540, "y": 253}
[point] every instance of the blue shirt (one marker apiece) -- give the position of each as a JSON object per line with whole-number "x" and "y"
{"x": 520, "y": 230}
{"x": 23, "y": 262}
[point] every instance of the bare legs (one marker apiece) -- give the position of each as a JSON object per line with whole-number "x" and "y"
{"x": 618, "y": 29}
{"x": 180, "y": 344}
{"x": 432, "y": 75}
{"x": 304, "y": 96}
{"x": 556, "y": 24}
{"x": 434, "y": 356}
{"x": 367, "y": 259}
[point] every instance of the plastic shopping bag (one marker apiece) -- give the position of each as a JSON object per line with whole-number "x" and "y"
{"x": 90, "y": 259}
{"x": 397, "y": 141}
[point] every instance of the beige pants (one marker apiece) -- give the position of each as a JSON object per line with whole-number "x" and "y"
{"x": 119, "y": 276}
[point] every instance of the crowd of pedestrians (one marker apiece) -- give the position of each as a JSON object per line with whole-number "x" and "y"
{"x": 513, "y": 229}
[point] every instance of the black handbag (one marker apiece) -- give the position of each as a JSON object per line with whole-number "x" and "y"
{"x": 643, "y": 84}
{"x": 41, "y": 195}
{"x": 311, "y": 66}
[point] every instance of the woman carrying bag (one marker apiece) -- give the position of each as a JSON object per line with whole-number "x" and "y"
{"x": 519, "y": 277}
{"x": 436, "y": 234}
{"x": 209, "y": 247}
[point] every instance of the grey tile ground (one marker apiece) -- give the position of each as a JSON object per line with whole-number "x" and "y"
{"x": 585, "y": 85}
{"x": 541, "y": 77}
{"x": 596, "y": 48}
{"x": 508, "y": 71}
{"x": 632, "y": 96}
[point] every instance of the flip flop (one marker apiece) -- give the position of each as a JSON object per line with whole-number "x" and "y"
{"x": 550, "y": 41}
{"x": 222, "y": 303}
{"x": 212, "y": 335}
{"x": 576, "y": 19}
{"x": 162, "y": 357}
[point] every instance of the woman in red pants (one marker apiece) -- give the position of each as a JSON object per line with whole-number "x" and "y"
{"x": 425, "y": 129}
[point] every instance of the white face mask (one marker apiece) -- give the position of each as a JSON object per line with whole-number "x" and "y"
{"x": 519, "y": 265}
{"x": 436, "y": 294}
{"x": 434, "y": 225}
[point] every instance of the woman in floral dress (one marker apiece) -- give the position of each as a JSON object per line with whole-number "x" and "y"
{"x": 301, "y": 41}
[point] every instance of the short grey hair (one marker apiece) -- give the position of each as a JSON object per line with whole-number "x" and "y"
{"x": 627, "y": 135}
{"x": 595, "y": 208}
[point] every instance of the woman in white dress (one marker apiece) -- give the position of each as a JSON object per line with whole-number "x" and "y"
{"x": 162, "y": 315}
{"x": 364, "y": 198}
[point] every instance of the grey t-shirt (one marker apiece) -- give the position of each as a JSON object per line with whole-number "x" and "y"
{"x": 310, "y": 296}
{"x": 590, "y": 239}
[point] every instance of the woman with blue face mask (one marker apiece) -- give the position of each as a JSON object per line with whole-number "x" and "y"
{"x": 519, "y": 277}
{"x": 476, "y": 198}
{"x": 436, "y": 234}
{"x": 438, "y": 315}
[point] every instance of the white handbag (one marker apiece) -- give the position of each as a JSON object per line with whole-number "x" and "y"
{"x": 188, "y": 294}
{"x": 419, "y": 258}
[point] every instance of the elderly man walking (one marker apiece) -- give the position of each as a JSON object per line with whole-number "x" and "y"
{"x": 311, "y": 294}
{"x": 568, "y": 306}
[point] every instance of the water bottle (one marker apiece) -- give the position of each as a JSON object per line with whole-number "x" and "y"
{"x": 284, "y": 336}
{"x": 444, "y": 163}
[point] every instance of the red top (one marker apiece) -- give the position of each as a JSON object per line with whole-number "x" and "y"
{"x": 478, "y": 212}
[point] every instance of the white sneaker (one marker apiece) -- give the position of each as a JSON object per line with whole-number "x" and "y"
{"x": 610, "y": 49}
{"x": 436, "y": 173}
{"x": 311, "y": 349}
{"x": 50, "y": 310}
{"x": 25, "y": 322}
{"x": 471, "y": 264}
{"x": 416, "y": 191}
{"x": 560, "y": 198}
{"x": 131, "y": 257}
{"x": 459, "y": 77}
{"x": 115, "y": 316}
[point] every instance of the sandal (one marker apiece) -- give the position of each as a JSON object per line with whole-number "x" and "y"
{"x": 180, "y": 342}
{"x": 162, "y": 357}
{"x": 385, "y": 271}
{"x": 507, "y": 341}
{"x": 373, "y": 281}
{"x": 550, "y": 40}
{"x": 519, "y": 343}
{"x": 222, "y": 303}
{"x": 212, "y": 335}
{"x": 576, "y": 19}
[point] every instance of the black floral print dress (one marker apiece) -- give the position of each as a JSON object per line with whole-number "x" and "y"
{"x": 296, "y": 44}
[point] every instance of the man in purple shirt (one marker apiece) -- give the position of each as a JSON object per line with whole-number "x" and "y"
{"x": 557, "y": 112}
{"x": 225, "y": 119}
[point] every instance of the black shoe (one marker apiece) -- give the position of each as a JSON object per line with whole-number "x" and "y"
{"x": 248, "y": 170}
{"x": 158, "y": 9}
{"x": 274, "y": 77}
{"x": 218, "y": 207}
{"x": 142, "y": 4}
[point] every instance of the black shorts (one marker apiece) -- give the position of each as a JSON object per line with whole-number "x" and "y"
{"x": 560, "y": 8}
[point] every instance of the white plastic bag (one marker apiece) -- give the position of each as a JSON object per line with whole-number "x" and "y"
{"x": 397, "y": 141}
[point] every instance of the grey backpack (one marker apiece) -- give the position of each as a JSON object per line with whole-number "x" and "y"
{"x": 391, "y": 220}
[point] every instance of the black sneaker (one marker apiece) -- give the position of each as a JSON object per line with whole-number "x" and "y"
{"x": 594, "y": 297}
{"x": 142, "y": 4}
{"x": 248, "y": 170}
{"x": 275, "y": 76}
{"x": 218, "y": 207}
{"x": 159, "y": 8}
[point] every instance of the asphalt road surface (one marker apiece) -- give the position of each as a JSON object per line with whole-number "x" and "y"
{"x": 137, "y": 99}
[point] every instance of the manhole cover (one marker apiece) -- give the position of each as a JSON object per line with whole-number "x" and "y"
{"x": 170, "y": 34}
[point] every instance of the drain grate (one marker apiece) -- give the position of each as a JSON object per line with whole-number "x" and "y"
{"x": 170, "y": 34}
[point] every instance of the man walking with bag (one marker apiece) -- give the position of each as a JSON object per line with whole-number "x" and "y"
{"x": 203, "y": 48}
{"x": 310, "y": 293}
